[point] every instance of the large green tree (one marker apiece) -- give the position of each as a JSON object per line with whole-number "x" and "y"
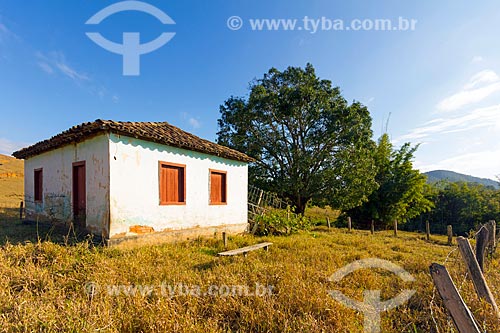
{"x": 307, "y": 140}
{"x": 401, "y": 192}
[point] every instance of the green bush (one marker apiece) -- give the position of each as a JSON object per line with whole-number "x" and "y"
{"x": 280, "y": 222}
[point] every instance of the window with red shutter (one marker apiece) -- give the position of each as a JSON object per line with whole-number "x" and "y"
{"x": 218, "y": 187}
{"x": 172, "y": 184}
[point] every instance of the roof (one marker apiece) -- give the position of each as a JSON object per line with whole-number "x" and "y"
{"x": 158, "y": 132}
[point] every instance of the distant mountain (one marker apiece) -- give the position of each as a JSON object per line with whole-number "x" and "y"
{"x": 437, "y": 175}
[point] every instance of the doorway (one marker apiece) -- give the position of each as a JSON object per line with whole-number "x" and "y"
{"x": 79, "y": 193}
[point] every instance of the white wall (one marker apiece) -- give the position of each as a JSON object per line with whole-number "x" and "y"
{"x": 58, "y": 184}
{"x": 134, "y": 188}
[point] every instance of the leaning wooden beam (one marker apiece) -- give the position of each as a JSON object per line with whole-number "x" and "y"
{"x": 482, "y": 289}
{"x": 460, "y": 313}
{"x": 482, "y": 237}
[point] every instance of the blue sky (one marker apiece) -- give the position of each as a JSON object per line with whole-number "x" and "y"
{"x": 440, "y": 83}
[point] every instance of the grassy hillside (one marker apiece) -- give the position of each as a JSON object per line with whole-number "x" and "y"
{"x": 45, "y": 286}
{"x": 11, "y": 181}
{"x": 438, "y": 175}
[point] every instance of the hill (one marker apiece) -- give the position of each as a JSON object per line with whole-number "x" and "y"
{"x": 438, "y": 175}
{"x": 11, "y": 181}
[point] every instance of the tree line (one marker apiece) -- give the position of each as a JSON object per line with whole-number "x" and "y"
{"x": 311, "y": 146}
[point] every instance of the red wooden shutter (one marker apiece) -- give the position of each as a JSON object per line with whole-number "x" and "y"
{"x": 217, "y": 187}
{"x": 172, "y": 184}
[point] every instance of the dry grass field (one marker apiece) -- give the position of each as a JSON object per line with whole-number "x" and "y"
{"x": 11, "y": 181}
{"x": 53, "y": 284}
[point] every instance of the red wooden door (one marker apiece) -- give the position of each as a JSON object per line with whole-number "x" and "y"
{"x": 79, "y": 192}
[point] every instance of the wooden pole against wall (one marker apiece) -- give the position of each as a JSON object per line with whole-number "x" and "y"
{"x": 372, "y": 229}
{"x": 349, "y": 223}
{"x": 427, "y": 230}
{"x": 482, "y": 289}
{"x": 21, "y": 205}
{"x": 450, "y": 234}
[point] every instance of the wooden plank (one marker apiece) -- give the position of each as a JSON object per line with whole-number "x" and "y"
{"x": 460, "y": 313}
{"x": 482, "y": 237}
{"x": 482, "y": 289}
{"x": 246, "y": 249}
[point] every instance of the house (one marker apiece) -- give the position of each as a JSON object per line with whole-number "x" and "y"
{"x": 121, "y": 179}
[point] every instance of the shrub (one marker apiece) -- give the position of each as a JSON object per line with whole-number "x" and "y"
{"x": 280, "y": 222}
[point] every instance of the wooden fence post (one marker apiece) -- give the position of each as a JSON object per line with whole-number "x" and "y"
{"x": 328, "y": 222}
{"x": 372, "y": 229}
{"x": 450, "y": 234}
{"x": 349, "y": 223}
{"x": 224, "y": 239}
{"x": 395, "y": 228}
{"x": 492, "y": 228}
{"x": 427, "y": 230}
{"x": 482, "y": 237}
{"x": 460, "y": 313}
{"x": 482, "y": 289}
{"x": 21, "y": 205}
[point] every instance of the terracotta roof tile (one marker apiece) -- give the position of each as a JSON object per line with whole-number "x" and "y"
{"x": 159, "y": 132}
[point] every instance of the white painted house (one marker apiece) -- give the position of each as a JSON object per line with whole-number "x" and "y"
{"x": 120, "y": 179}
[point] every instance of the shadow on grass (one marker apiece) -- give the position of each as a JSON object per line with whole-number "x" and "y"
{"x": 16, "y": 231}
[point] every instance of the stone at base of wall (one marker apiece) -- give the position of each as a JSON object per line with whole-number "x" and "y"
{"x": 173, "y": 236}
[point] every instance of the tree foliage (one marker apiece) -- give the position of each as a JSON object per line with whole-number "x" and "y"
{"x": 307, "y": 140}
{"x": 401, "y": 192}
{"x": 462, "y": 205}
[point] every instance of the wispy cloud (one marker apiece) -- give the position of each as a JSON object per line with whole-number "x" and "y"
{"x": 477, "y": 59}
{"x": 8, "y": 147}
{"x": 195, "y": 123}
{"x": 56, "y": 61}
{"x": 479, "y": 87}
{"x": 478, "y": 118}
{"x": 478, "y": 163}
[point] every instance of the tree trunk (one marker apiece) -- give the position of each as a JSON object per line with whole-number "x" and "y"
{"x": 300, "y": 205}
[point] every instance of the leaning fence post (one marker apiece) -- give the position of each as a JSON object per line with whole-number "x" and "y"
{"x": 450, "y": 234}
{"x": 460, "y": 313}
{"x": 21, "y": 205}
{"x": 427, "y": 230}
{"x": 482, "y": 289}
{"x": 482, "y": 237}
{"x": 328, "y": 222}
